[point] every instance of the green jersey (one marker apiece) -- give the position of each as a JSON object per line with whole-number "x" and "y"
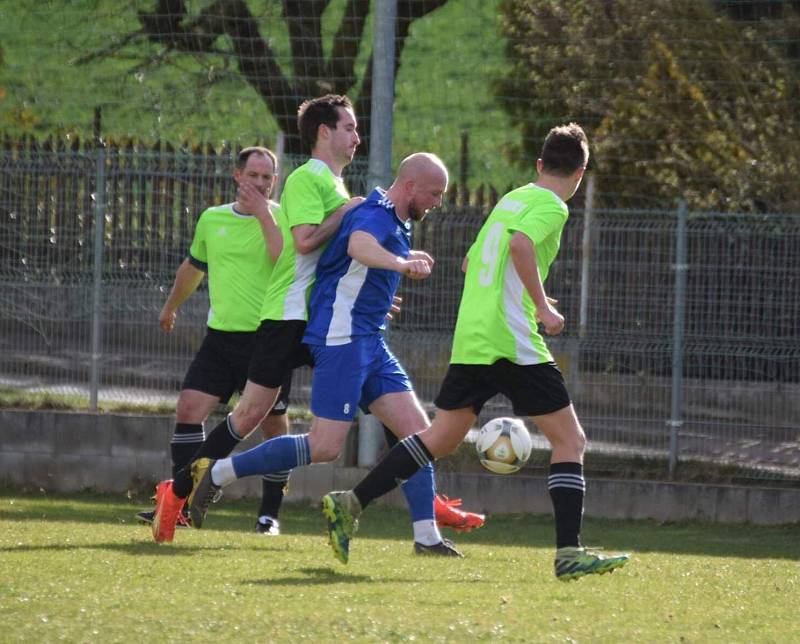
{"x": 497, "y": 317}
{"x": 311, "y": 194}
{"x": 230, "y": 248}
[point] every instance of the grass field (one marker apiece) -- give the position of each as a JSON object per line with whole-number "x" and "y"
{"x": 79, "y": 569}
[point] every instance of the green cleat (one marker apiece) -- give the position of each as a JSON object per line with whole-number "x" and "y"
{"x": 341, "y": 510}
{"x": 204, "y": 492}
{"x": 572, "y": 563}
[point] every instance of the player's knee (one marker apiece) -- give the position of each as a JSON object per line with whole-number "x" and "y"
{"x": 187, "y": 412}
{"x": 325, "y": 453}
{"x": 273, "y": 426}
{"x": 577, "y": 441}
{"x": 246, "y": 417}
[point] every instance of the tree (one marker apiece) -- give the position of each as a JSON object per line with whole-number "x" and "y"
{"x": 233, "y": 30}
{"x": 680, "y": 99}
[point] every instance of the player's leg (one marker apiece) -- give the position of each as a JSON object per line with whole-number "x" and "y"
{"x": 387, "y": 393}
{"x": 274, "y": 351}
{"x": 447, "y": 511}
{"x": 460, "y": 399}
{"x": 335, "y": 390}
{"x": 207, "y": 382}
{"x": 402, "y": 410}
{"x": 539, "y": 391}
{"x": 274, "y": 484}
{"x": 272, "y": 355}
{"x": 342, "y": 509}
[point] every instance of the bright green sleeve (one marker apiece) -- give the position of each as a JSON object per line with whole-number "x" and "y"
{"x": 539, "y": 223}
{"x": 198, "y": 248}
{"x": 303, "y": 200}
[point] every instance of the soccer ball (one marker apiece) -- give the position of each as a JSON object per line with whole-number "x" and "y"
{"x": 504, "y": 445}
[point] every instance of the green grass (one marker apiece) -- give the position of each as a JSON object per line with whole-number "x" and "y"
{"x": 80, "y": 569}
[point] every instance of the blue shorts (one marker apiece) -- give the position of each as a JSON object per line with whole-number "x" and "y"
{"x": 351, "y": 375}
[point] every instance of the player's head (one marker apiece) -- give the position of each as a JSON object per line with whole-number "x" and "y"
{"x": 328, "y": 125}
{"x": 565, "y": 154}
{"x": 258, "y": 166}
{"x": 420, "y": 184}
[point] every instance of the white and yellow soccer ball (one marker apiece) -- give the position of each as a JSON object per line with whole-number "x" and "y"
{"x": 504, "y": 445}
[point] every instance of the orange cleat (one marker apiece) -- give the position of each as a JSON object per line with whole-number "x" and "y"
{"x": 450, "y": 515}
{"x": 167, "y": 514}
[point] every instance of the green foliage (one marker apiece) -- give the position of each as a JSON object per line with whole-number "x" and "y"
{"x": 80, "y": 569}
{"x": 680, "y": 100}
{"x": 148, "y": 92}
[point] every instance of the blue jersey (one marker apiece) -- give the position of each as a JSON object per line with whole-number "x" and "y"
{"x": 350, "y": 300}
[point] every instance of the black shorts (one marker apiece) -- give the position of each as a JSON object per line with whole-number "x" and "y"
{"x": 534, "y": 390}
{"x": 278, "y": 350}
{"x": 221, "y": 364}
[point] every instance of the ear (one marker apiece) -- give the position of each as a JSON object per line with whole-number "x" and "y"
{"x": 539, "y": 166}
{"x": 237, "y": 176}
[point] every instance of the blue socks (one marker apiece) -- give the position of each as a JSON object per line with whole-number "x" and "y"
{"x": 274, "y": 455}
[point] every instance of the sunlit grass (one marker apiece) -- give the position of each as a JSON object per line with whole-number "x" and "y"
{"x": 80, "y": 569}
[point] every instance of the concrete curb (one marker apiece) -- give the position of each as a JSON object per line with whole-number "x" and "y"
{"x": 73, "y": 451}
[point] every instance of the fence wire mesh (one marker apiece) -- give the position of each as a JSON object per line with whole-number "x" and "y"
{"x": 741, "y": 346}
{"x": 696, "y": 99}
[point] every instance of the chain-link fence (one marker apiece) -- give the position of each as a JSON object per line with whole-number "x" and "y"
{"x": 727, "y": 311}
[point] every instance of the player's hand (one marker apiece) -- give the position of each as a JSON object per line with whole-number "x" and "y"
{"x": 252, "y": 201}
{"x": 349, "y": 205}
{"x": 395, "y": 308}
{"x": 421, "y": 254}
{"x": 166, "y": 319}
{"x": 552, "y": 320}
{"x": 416, "y": 269}
{"x": 550, "y": 300}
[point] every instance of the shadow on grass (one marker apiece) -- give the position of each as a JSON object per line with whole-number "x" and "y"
{"x": 382, "y": 522}
{"x": 316, "y": 576}
{"x": 134, "y": 548}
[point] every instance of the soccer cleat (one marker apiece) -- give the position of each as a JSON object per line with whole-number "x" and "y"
{"x": 572, "y": 562}
{"x": 450, "y": 515}
{"x": 204, "y": 492}
{"x": 168, "y": 509}
{"x": 445, "y": 548}
{"x": 268, "y": 525}
{"x": 146, "y": 516}
{"x": 341, "y": 510}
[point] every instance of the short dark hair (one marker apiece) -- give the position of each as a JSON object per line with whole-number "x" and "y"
{"x": 565, "y": 149}
{"x": 246, "y": 153}
{"x": 319, "y": 111}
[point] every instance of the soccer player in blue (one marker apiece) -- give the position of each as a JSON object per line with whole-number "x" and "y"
{"x": 357, "y": 278}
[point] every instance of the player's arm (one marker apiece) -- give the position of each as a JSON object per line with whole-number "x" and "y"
{"x": 309, "y": 237}
{"x": 523, "y": 254}
{"x": 187, "y": 279}
{"x": 254, "y": 203}
{"x": 364, "y": 248}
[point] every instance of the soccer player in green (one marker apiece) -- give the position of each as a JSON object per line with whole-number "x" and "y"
{"x": 497, "y": 348}
{"x": 313, "y": 202}
{"x": 229, "y": 246}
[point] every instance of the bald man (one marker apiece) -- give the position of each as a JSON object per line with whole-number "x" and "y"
{"x": 356, "y": 280}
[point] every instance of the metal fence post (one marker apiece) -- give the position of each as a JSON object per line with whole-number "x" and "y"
{"x": 382, "y": 100}
{"x": 586, "y": 254}
{"x": 370, "y": 431}
{"x": 97, "y": 286}
{"x": 680, "y": 267}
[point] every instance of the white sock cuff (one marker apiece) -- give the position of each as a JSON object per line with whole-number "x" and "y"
{"x": 222, "y": 473}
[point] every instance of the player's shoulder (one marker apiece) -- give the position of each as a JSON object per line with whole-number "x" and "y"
{"x": 531, "y": 198}
{"x": 213, "y": 213}
{"x": 311, "y": 170}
